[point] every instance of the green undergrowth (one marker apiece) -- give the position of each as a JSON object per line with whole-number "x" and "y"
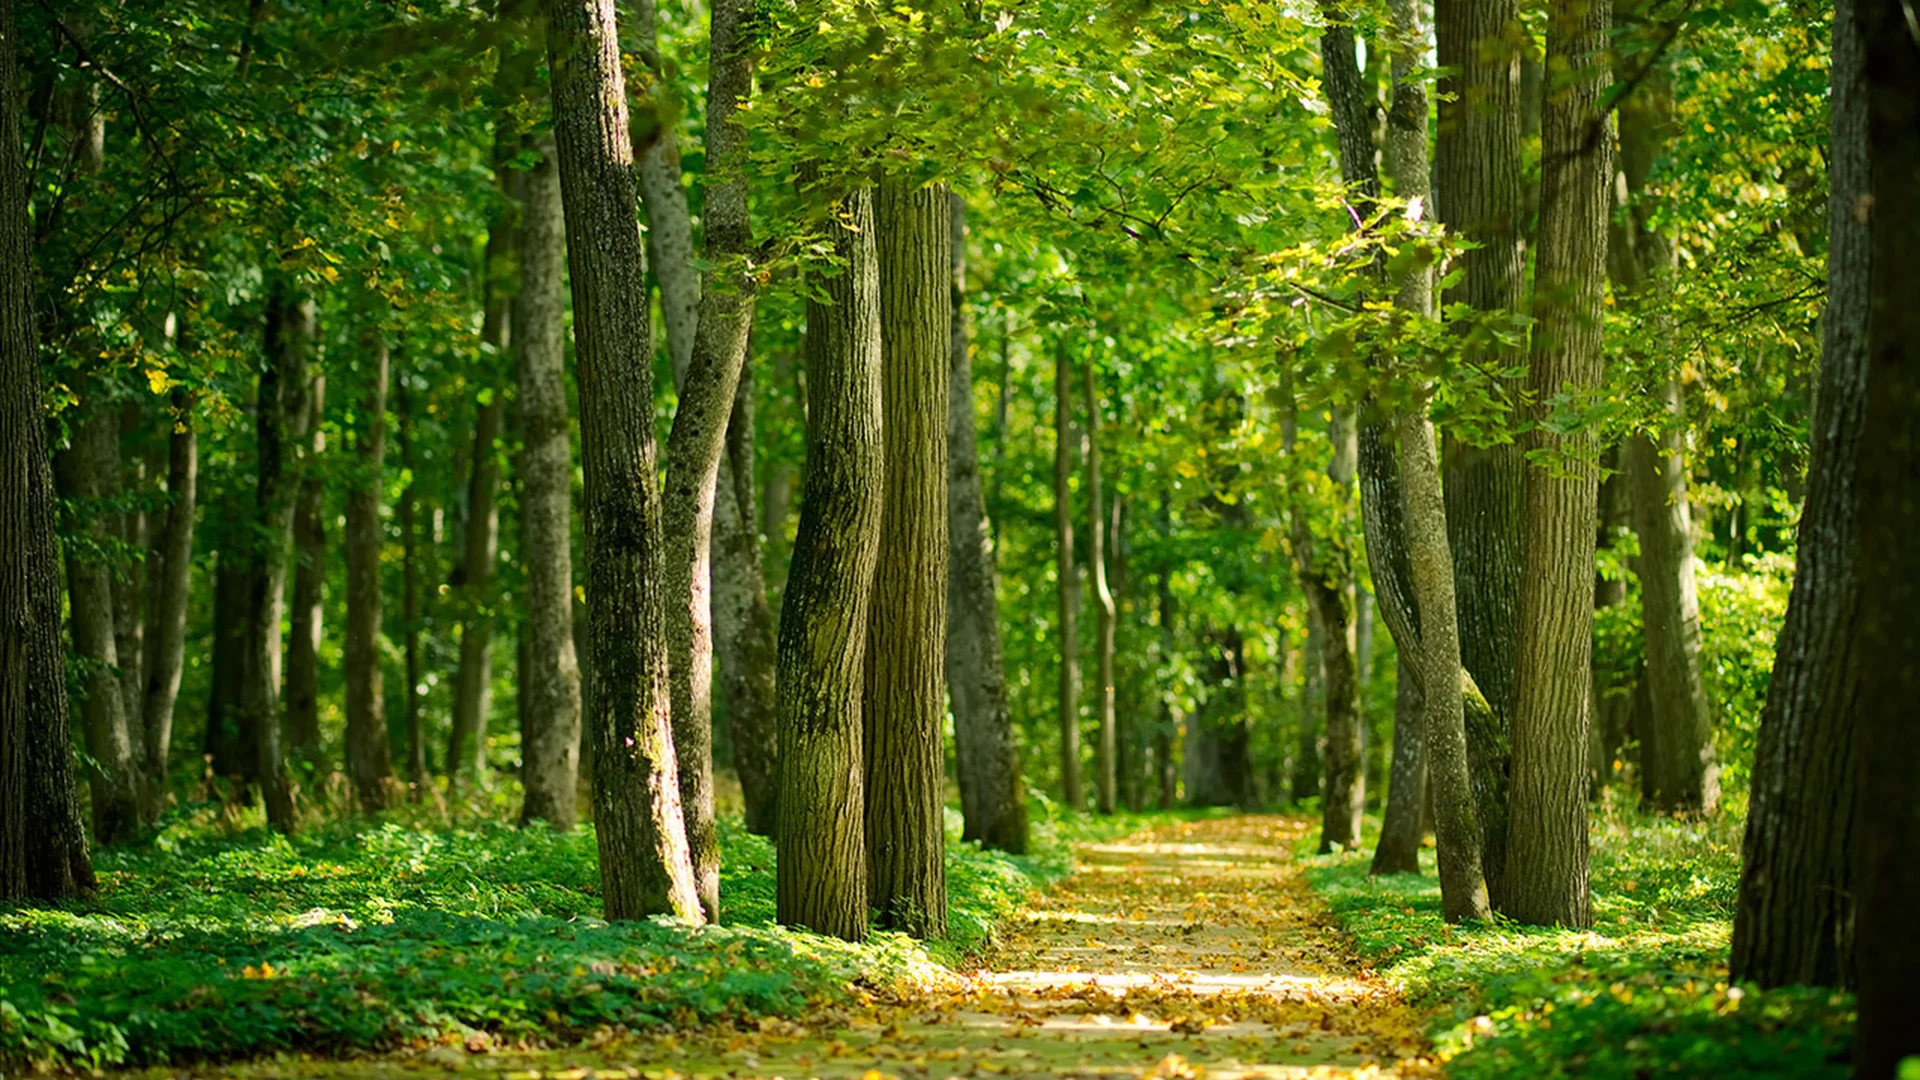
{"x": 214, "y": 942}
{"x": 1645, "y": 993}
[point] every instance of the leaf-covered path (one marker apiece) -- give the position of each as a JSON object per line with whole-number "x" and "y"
{"x": 1191, "y": 950}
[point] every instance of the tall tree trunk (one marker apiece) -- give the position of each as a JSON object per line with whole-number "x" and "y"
{"x": 1887, "y": 818}
{"x": 281, "y": 407}
{"x": 744, "y": 629}
{"x": 1105, "y": 753}
{"x": 1611, "y": 702}
{"x": 1546, "y": 874}
{"x": 708, "y": 324}
{"x": 1171, "y": 716}
{"x": 227, "y": 747}
{"x": 1305, "y": 782}
{"x": 992, "y": 797}
{"x": 1794, "y": 919}
{"x": 1069, "y": 704}
{"x": 644, "y": 865}
{"x": 410, "y": 594}
{"x": 820, "y": 837}
{"x": 129, "y": 583}
{"x": 369, "y": 761}
{"x": 171, "y": 579}
{"x": 905, "y": 716}
{"x": 1398, "y": 851}
{"x": 1480, "y": 197}
{"x": 480, "y": 552}
{"x": 550, "y": 690}
{"x": 89, "y": 477}
{"x": 309, "y": 580}
{"x": 43, "y": 849}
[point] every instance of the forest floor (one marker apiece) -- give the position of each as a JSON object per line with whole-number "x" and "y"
{"x": 1194, "y": 948}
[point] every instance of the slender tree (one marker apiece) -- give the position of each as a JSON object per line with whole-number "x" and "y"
{"x": 820, "y": 837}
{"x": 369, "y": 760}
{"x": 408, "y": 514}
{"x": 1106, "y": 751}
{"x": 170, "y": 578}
{"x": 302, "y": 695}
{"x": 644, "y": 865}
{"x": 1069, "y": 707}
{"x": 480, "y": 550}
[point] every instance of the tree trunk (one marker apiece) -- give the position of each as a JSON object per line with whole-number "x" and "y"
{"x": 907, "y": 636}
{"x": 280, "y": 410}
{"x": 1611, "y": 701}
{"x": 309, "y": 581}
{"x": 228, "y": 747}
{"x": 171, "y": 580}
{"x": 1069, "y": 704}
{"x": 1398, "y": 851}
{"x": 550, "y": 690}
{"x": 1887, "y": 843}
{"x": 644, "y": 865}
{"x": 129, "y": 585}
{"x": 987, "y": 759}
{"x": 43, "y": 849}
{"x": 369, "y": 761}
{"x": 820, "y": 838}
{"x": 1546, "y": 874}
{"x": 1480, "y": 197}
{"x": 744, "y": 634}
{"x": 410, "y": 594}
{"x": 1306, "y": 753}
{"x": 1794, "y": 920}
{"x": 1170, "y": 712}
{"x": 473, "y": 580}
{"x": 1105, "y": 753}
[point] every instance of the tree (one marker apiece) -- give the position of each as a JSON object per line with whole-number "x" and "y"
{"x": 1887, "y": 816}
{"x": 408, "y": 514}
{"x": 369, "y": 761}
{"x": 170, "y": 579}
{"x": 987, "y": 760}
{"x": 1106, "y": 752}
{"x": 1546, "y": 872}
{"x": 644, "y": 865}
{"x": 309, "y": 582}
{"x": 1069, "y": 581}
{"x": 907, "y": 633}
{"x": 43, "y": 849}
{"x": 819, "y": 832}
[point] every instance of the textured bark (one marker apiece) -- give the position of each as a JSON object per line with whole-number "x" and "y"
{"x": 410, "y": 596}
{"x": 368, "y": 758}
{"x": 1105, "y": 752}
{"x": 1069, "y": 701}
{"x": 1398, "y": 851}
{"x": 279, "y": 411}
{"x": 1546, "y": 879}
{"x": 550, "y": 687}
{"x": 820, "y": 839}
{"x": 1479, "y": 194}
{"x": 1887, "y": 819}
{"x": 987, "y": 759}
{"x": 644, "y": 865}
{"x": 309, "y": 582}
{"x": 171, "y": 578}
{"x": 1794, "y": 920}
{"x": 43, "y": 849}
{"x": 707, "y": 332}
{"x": 905, "y": 709}
{"x": 656, "y": 158}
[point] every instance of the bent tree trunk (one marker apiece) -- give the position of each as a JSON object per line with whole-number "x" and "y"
{"x": 644, "y": 865}
{"x": 1106, "y": 751}
{"x": 907, "y": 632}
{"x": 1794, "y": 919}
{"x": 1069, "y": 705}
{"x": 992, "y": 798}
{"x": 43, "y": 849}
{"x": 369, "y": 760}
{"x": 821, "y": 882}
{"x": 550, "y": 694}
{"x": 171, "y": 580}
{"x": 1546, "y": 874}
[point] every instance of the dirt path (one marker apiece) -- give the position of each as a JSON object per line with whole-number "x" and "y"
{"x": 1189, "y": 951}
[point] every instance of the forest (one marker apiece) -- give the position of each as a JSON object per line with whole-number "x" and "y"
{"x": 958, "y": 538}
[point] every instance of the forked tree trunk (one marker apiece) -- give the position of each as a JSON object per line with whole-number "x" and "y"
{"x": 905, "y": 715}
{"x": 369, "y": 761}
{"x": 644, "y": 865}
{"x": 1546, "y": 878}
{"x": 309, "y": 581}
{"x": 43, "y": 849}
{"x": 1106, "y": 751}
{"x": 820, "y": 836}
{"x": 550, "y": 691}
{"x": 1069, "y": 702}
{"x": 171, "y": 579}
{"x": 1794, "y": 919}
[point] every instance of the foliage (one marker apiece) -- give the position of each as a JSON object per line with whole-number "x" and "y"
{"x": 1644, "y": 993}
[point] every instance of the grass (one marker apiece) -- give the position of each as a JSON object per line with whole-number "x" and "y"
{"x": 1645, "y": 993}
{"x": 214, "y": 941}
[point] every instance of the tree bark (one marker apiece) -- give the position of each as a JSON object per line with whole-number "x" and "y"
{"x": 550, "y": 690}
{"x": 1546, "y": 878}
{"x": 369, "y": 761}
{"x": 129, "y": 585}
{"x": 744, "y": 629}
{"x": 480, "y": 552}
{"x": 1069, "y": 702}
{"x": 822, "y": 880}
{"x": 410, "y": 594}
{"x": 905, "y": 709}
{"x": 302, "y": 724}
{"x": 1887, "y": 844}
{"x": 1794, "y": 920}
{"x": 171, "y": 580}
{"x": 43, "y": 849}
{"x": 987, "y": 759}
{"x": 1477, "y": 177}
{"x": 644, "y": 865}
{"x": 1105, "y": 753}
{"x": 1398, "y": 851}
